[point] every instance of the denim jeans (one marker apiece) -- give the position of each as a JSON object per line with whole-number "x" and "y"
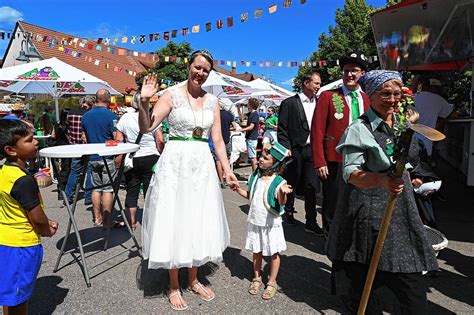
{"x": 76, "y": 167}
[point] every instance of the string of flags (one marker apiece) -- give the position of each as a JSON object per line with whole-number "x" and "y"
{"x": 166, "y": 35}
{"x": 78, "y": 47}
{"x": 112, "y": 64}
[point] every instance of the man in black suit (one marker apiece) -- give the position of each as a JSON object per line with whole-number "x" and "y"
{"x": 294, "y": 124}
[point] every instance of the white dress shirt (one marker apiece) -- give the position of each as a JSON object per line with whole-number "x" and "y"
{"x": 309, "y": 105}
{"x": 348, "y": 98}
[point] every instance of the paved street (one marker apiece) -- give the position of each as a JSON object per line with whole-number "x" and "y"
{"x": 124, "y": 285}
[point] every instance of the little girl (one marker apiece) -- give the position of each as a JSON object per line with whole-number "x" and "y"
{"x": 267, "y": 194}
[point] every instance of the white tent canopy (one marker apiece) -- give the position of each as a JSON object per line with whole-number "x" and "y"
{"x": 330, "y": 86}
{"x": 50, "y": 76}
{"x": 222, "y": 86}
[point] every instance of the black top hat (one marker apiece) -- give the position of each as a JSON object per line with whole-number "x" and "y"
{"x": 354, "y": 57}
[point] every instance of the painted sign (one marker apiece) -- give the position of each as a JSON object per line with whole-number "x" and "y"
{"x": 70, "y": 87}
{"x": 7, "y": 83}
{"x": 44, "y": 74}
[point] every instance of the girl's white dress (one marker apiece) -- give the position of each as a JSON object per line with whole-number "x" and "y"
{"x": 184, "y": 221}
{"x": 265, "y": 230}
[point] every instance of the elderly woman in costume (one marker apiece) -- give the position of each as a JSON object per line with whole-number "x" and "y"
{"x": 367, "y": 147}
{"x": 184, "y": 221}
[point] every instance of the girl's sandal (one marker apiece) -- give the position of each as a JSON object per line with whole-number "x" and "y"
{"x": 180, "y": 299}
{"x": 269, "y": 291}
{"x": 255, "y": 285}
{"x": 197, "y": 288}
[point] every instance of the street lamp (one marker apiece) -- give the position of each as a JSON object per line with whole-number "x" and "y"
{"x": 29, "y": 52}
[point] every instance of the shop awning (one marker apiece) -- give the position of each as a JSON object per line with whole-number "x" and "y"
{"x": 425, "y": 35}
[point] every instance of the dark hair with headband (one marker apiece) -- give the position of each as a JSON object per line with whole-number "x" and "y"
{"x": 204, "y": 53}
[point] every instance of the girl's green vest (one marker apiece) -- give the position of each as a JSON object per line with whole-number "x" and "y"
{"x": 271, "y": 202}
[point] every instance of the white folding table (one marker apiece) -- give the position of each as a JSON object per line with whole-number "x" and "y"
{"x": 84, "y": 151}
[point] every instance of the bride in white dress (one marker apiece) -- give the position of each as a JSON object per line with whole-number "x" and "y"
{"x": 184, "y": 221}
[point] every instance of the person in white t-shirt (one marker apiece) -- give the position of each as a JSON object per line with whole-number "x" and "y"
{"x": 431, "y": 106}
{"x": 151, "y": 145}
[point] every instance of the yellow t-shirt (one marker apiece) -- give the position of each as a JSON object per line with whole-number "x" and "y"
{"x": 19, "y": 193}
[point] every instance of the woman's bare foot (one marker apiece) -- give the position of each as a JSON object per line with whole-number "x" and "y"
{"x": 177, "y": 302}
{"x": 205, "y": 292}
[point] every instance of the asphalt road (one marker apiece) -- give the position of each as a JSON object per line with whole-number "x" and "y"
{"x": 124, "y": 285}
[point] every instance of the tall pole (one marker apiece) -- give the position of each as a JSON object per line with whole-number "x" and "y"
{"x": 404, "y": 147}
{"x": 56, "y": 106}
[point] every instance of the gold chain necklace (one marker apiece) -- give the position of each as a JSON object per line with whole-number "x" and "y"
{"x": 197, "y": 131}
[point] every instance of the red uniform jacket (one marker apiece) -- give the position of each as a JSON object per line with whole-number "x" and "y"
{"x": 329, "y": 124}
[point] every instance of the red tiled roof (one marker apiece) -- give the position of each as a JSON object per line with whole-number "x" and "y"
{"x": 246, "y": 76}
{"x": 118, "y": 80}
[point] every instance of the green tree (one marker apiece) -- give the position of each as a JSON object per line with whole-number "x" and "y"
{"x": 174, "y": 69}
{"x": 352, "y": 31}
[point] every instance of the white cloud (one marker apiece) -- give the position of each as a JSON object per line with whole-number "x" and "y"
{"x": 288, "y": 82}
{"x": 9, "y": 15}
{"x": 101, "y": 30}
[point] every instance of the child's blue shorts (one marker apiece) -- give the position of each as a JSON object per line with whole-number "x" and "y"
{"x": 19, "y": 267}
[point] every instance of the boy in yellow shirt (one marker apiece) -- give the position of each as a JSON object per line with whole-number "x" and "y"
{"x": 22, "y": 219}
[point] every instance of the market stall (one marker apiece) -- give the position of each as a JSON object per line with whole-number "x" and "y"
{"x": 433, "y": 35}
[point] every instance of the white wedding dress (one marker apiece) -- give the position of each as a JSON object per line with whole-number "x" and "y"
{"x": 184, "y": 221}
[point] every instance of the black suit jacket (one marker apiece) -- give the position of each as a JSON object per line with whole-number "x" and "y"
{"x": 293, "y": 127}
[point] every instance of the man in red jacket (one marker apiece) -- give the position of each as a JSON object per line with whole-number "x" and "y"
{"x": 335, "y": 110}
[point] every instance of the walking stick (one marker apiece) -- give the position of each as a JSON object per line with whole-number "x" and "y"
{"x": 402, "y": 149}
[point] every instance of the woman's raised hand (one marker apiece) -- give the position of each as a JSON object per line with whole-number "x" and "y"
{"x": 149, "y": 87}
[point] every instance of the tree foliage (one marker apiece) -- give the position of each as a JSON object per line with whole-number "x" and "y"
{"x": 352, "y": 32}
{"x": 172, "y": 70}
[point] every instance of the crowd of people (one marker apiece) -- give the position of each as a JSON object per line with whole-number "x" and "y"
{"x": 342, "y": 141}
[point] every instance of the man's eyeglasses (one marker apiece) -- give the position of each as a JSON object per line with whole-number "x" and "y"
{"x": 388, "y": 95}
{"x": 353, "y": 71}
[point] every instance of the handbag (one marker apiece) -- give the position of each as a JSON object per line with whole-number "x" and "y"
{"x": 128, "y": 163}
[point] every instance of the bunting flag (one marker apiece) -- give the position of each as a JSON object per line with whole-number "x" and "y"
{"x": 272, "y": 9}
{"x": 174, "y": 33}
{"x": 166, "y": 35}
{"x": 152, "y": 36}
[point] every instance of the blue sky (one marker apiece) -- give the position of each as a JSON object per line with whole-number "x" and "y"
{"x": 290, "y": 34}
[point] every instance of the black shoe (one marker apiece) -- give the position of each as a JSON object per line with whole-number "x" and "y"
{"x": 289, "y": 218}
{"x": 314, "y": 229}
